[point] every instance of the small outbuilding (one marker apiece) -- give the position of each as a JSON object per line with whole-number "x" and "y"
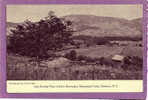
{"x": 118, "y": 58}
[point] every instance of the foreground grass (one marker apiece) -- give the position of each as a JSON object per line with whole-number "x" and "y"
{"x": 21, "y": 68}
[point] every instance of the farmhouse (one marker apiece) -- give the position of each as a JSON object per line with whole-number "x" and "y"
{"x": 118, "y": 58}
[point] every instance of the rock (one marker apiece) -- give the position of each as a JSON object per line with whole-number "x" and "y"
{"x": 59, "y": 62}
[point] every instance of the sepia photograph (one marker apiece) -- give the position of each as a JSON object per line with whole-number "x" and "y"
{"x": 74, "y": 42}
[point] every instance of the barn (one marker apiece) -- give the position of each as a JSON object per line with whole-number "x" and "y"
{"x": 118, "y": 58}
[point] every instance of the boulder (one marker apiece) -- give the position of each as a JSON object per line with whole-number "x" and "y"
{"x": 59, "y": 62}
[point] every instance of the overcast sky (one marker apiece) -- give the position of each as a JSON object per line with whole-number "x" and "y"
{"x": 19, "y": 13}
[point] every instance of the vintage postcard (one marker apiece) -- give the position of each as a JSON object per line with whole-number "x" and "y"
{"x": 73, "y": 49}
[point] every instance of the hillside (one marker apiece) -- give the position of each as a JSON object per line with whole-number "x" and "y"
{"x": 138, "y": 23}
{"x": 100, "y": 26}
{"x": 10, "y": 25}
{"x": 104, "y": 26}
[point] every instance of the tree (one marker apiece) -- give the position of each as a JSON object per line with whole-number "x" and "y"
{"x": 36, "y": 38}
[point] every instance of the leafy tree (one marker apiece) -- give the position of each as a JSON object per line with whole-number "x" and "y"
{"x": 35, "y": 39}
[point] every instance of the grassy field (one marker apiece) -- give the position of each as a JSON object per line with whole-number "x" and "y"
{"x": 24, "y": 68}
{"x": 107, "y": 51}
{"x": 28, "y": 71}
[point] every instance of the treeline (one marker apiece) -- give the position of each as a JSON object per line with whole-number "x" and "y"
{"x": 105, "y": 40}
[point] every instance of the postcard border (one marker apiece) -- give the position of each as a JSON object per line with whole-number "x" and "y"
{"x": 3, "y": 92}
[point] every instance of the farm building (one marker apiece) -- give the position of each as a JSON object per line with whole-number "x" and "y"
{"x": 118, "y": 58}
{"x": 126, "y": 43}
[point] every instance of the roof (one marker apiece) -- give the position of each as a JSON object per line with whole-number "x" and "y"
{"x": 118, "y": 57}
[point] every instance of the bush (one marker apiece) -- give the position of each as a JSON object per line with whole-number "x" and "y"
{"x": 71, "y": 55}
{"x": 81, "y": 57}
{"x": 89, "y": 59}
{"x": 127, "y": 61}
{"x": 102, "y": 60}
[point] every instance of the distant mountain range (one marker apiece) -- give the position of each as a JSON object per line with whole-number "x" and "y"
{"x": 101, "y": 26}
{"x": 138, "y": 23}
{"x": 11, "y": 24}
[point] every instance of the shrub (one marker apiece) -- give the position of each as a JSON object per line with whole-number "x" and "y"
{"x": 89, "y": 59}
{"x": 71, "y": 55}
{"x": 127, "y": 61}
{"x": 81, "y": 57}
{"x": 102, "y": 60}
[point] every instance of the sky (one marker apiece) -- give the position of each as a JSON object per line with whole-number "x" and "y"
{"x": 19, "y": 13}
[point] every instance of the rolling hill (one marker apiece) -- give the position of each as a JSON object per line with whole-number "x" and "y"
{"x": 104, "y": 26}
{"x": 138, "y": 23}
{"x": 100, "y": 26}
{"x": 11, "y": 24}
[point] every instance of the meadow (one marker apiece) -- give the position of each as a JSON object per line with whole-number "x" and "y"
{"x": 25, "y": 68}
